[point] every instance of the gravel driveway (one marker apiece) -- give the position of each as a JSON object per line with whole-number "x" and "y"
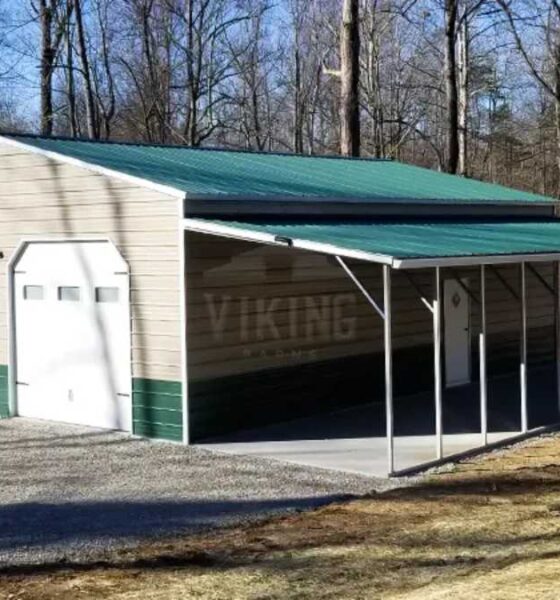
{"x": 69, "y": 492}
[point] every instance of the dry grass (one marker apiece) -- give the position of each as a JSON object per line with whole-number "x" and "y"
{"x": 489, "y": 529}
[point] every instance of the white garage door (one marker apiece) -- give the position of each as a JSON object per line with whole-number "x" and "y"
{"x": 72, "y": 331}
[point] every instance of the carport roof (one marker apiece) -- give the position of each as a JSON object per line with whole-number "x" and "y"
{"x": 405, "y": 244}
{"x": 265, "y": 177}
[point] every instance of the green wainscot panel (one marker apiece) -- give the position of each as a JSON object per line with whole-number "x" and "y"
{"x": 157, "y": 409}
{"x": 4, "y": 400}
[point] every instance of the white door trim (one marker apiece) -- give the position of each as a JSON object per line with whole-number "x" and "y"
{"x": 12, "y": 262}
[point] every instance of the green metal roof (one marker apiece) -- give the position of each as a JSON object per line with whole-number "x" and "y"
{"x": 222, "y": 173}
{"x": 404, "y": 241}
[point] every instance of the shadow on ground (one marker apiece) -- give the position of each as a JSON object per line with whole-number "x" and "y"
{"x": 337, "y": 525}
{"x": 70, "y": 525}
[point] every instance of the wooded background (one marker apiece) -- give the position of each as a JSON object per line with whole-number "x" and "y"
{"x": 466, "y": 86}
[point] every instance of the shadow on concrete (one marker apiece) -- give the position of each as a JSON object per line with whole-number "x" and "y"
{"x": 415, "y": 415}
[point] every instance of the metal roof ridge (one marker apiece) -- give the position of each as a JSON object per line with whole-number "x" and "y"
{"x": 62, "y": 138}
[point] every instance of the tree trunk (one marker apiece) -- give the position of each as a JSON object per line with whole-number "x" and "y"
{"x": 557, "y": 134}
{"x": 557, "y": 115}
{"x": 451, "y": 86}
{"x": 298, "y": 109}
{"x": 350, "y": 77}
{"x": 47, "y": 65}
{"x": 70, "y": 73}
{"x": 463, "y": 42}
{"x": 93, "y": 130}
{"x": 108, "y": 108}
{"x": 255, "y": 105}
{"x": 150, "y": 132}
{"x": 193, "y": 68}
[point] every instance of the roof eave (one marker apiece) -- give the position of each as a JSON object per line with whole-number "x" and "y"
{"x": 211, "y": 200}
{"x": 474, "y": 260}
{"x": 249, "y": 235}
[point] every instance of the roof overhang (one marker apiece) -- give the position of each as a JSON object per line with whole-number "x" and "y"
{"x": 235, "y": 232}
{"x": 239, "y": 207}
{"x": 275, "y": 240}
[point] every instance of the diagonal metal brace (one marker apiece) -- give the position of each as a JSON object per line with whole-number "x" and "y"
{"x": 418, "y": 289}
{"x": 541, "y": 278}
{"x": 361, "y": 287}
{"x": 504, "y": 282}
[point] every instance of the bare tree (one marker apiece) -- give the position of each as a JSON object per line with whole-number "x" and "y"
{"x": 202, "y": 39}
{"x": 103, "y": 74}
{"x": 297, "y": 10}
{"x": 463, "y": 75}
{"x": 70, "y": 86}
{"x": 252, "y": 61}
{"x": 424, "y": 81}
{"x": 93, "y": 130}
{"x": 147, "y": 84}
{"x": 350, "y": 79}
{"x": 544, "y": 16}
{"x": 52, "y": 19}
{"x": 451, "y": 8}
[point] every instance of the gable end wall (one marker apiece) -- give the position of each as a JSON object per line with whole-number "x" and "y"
{"x": 41, "y": 197}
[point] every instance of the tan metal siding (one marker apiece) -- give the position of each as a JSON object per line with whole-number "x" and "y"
{"x": 230, "y": 283}
{"x": 303, "y": 291}
{"x": 41, "y": 197}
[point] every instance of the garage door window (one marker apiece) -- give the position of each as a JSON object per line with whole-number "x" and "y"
{"x": 106, "y": 294}
{"x": 69, "y": 293}
{"x": 32, "y": 292}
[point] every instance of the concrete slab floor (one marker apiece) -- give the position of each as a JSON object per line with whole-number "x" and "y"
{"x": 363, "y": 456}
{"x": 353, "y": 440}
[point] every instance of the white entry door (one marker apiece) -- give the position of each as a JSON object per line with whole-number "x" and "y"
{"x": 457, "y": 333}
{"x": 72, "y": 332}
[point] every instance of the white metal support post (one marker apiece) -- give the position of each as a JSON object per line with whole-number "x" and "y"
{"x": 182, "y": 239}
{"x": 523, "y": 352}
{"x": 557, "y": 325}
{"x": 388, "y": 368}
{"x": 482, "y": 359}
{"x": 385, "y": 314}
{"x": 438, "y": 388}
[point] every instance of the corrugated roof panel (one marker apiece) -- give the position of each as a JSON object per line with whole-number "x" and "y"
{"x": 416, "y": 240}
{"x": 264, "y": 176}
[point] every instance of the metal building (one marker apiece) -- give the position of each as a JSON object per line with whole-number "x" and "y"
{"x": 345, "y": 313}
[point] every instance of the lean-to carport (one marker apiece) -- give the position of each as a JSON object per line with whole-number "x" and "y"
{"x": 373, "y": 215}
{"x": 413, "y": 245}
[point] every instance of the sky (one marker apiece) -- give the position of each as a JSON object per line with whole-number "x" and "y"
{"x": 19, "y": 55}
{"x": 19, "y": 60}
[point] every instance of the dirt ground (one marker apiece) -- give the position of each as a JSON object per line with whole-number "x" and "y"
{"x": 488, "y": 528}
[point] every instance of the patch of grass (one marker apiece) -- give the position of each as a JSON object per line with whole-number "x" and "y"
{"x": 489, "y": 528}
